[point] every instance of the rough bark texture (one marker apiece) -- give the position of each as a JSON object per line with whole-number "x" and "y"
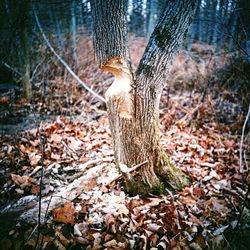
{"x": 133, "y": 102}
{"x": 109, "y": 30}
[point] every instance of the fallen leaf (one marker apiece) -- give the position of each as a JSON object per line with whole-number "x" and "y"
{"x": 110, "y": 223}
{"x": 123, "y": 209}
{"x": 22, "y": 181}
{"x": 110, "y": 243}
{"x": 199, "y": 192}
{"x": 153, "y": 227}
{"x": 34, "y": 159}
{"x": 65, "y": 214}
{"x": 35, "y": 189}
{"x": 195, "y": 220}
{"x": 74, "y": 143}
{"x": 55, "y": 138}
{"x": 55, "y": 156}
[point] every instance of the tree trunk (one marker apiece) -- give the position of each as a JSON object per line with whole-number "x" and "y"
{"x": 133, "y": 99}
{"x": 73, "y": 30}
{"x": 24, "y": 37}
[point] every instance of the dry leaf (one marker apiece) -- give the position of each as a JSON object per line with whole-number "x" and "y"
{"x": 35, "y": 189}
{"x": 65, "y": 214}
{"x": 195, "y": 220}
{"x": 55, "y": 138}
{"x": 34, "y": 159}
{"x": 55, "y": 156}
{"x": 74, "y": 143}
{"x": 153, "y": 227}
{"x": 110, "y": 222}
{"x": 22, "y": 181}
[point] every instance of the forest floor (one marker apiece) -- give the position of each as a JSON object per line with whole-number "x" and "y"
{"x": 63, "y": 136}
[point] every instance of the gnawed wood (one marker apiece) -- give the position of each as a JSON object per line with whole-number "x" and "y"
{"x": 118, "y": 96}
{"x": 133, "y": 103}
{"x": 67, "y": 193}
{"x": 26, "y": 209}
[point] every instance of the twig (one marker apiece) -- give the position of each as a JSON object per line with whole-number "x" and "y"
{"x": 190, "y": 115}
{"x": 242, "y": 140}
{"x": 33, "y": 231}
{"x": 47, "y": 210}
{"x": 64, "y": 63}
{"x": 11, "y": 68}
{"x": 128, "y": 172}
{"x": 88, "y": 165}
{"x": 35, "y": 70}
{"x": 243, "y": 206}
{"x": 40, "y": 185}
{"x": 45, "y": 217}
{"x": 226, "y": 189}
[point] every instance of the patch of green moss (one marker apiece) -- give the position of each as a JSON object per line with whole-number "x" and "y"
{"x": 135, "y": 187}
{"x": 171, "y": 175}
{"x": 158, "y": 189}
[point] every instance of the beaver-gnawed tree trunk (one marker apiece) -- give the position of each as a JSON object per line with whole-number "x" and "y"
{"x": 133, "y": 98}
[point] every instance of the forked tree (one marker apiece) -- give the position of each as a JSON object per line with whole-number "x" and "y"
{"x": 133, "y": 98}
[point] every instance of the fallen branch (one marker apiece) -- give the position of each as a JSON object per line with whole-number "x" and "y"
{"x": 64, "y": 63}
{"x": 190, "y": 115}
{"x": 69, "y": 192}
{"x": 241, "y": 142}
{"x": 243, "y": 206}
{"x": 27, "y": 208}
{"x": 91, "y": 163}
{"x": 30, "y": 211}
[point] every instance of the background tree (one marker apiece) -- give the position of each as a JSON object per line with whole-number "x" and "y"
{"x": 133, "y": 98}
{"x": 137, "y": 24}
{"x": 16, "y": 40}
{"x": 26, "y": 46}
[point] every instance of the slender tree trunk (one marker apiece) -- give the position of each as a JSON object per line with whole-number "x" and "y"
{"x": 24, "y": 37}
{"x": 198, "y": 22}
{"x": 54, "y": 20}
{"x": 133, "y": 99}
{"x": 215, "y": 26}
{"x": 152, "y": 16}
{"x": 233, "y": 30}
{"x": 245, "y": 25}
{"x": 73, "y": 29}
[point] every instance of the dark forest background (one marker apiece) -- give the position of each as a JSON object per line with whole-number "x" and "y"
{"x": 224, "y": 24}
{"x": 48, "y": 120}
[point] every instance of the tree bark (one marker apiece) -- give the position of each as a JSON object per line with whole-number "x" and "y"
{"x": 73, "y": 29}
{"x": 24, "y": 37}
{"x": 133, "y": 99}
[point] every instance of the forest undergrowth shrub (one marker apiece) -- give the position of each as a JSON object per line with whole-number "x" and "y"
{"x": 196, "y": 71}
{"x": 192, "y": 69}
{"x": 233, "y": 81}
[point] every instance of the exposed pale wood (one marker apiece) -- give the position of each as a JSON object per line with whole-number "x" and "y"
{"x": 242, "y": 169}
{"x": 26, "y": 209}
{"x": 136, "y": 136}
{"x": 67, "y": 193}
{"x": 128, "y": 173}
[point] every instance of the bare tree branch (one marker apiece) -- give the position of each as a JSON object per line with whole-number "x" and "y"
{"x": 11, "y": 68}
{"x": 64, "y": 63}
{"x": 241, "y": 141}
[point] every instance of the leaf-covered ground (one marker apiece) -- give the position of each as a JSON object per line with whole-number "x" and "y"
{"x": 82, "y": 190}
